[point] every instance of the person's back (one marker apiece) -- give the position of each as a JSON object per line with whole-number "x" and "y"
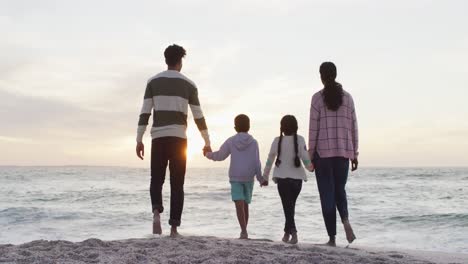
{"x": 333, "y": 133}
{"x": 245, "y": 165}
{"x": 288, "y": 168}
{"x": 288, "y": 149}
{"x": 170, "y": 94}
{"x": 333, "y": 142}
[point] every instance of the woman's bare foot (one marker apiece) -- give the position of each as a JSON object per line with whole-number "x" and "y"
{"x": 293, "y": 238}
{"x": 244, "y": 235}
{"x": 157, "y": 223}
{"x": 285, "y": 238}
{"x": 349, "y": 231}
{"x": 174, "y": 233}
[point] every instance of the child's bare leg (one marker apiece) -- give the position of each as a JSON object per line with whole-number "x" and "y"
{"x": 246, "y": 213}
{"x": 241, "y": 218}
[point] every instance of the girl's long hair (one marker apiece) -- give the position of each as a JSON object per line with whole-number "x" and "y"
{"x": 288, "y": 128}
{"x": 333, "y": 91}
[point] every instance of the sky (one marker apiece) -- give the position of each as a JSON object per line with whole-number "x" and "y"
{"x": 73, "y": 74}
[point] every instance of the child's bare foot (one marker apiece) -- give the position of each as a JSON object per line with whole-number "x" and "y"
{"x": 157, "y": 223}
{"x": 174, "y": 233}
{"x": 285, "y": 238}
{"x": 293, "y": 238}
{"x": 244, "y": 235}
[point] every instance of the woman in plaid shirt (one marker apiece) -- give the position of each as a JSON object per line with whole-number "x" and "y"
{"x": 333, "y": 142}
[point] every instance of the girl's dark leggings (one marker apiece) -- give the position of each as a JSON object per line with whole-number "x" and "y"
{"x": 289, "y": 190}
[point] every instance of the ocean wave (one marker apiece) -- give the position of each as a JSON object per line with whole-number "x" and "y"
{"x": 22, "y": 215}
{"x": 27, "y": 215}
{"x": 423, "y": 175}
{"x": 453, "y": 219}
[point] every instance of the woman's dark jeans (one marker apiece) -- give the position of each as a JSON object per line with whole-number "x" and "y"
{"x": 332, "y": 174}
{"x": 289, "y": 190}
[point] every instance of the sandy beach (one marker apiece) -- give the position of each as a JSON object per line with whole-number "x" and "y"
{"x": 206, "y": 250}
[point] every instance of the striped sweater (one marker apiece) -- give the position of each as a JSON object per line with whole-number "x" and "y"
{"x": 168, "y": 95}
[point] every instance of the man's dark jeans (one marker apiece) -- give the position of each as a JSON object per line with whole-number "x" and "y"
{"x": 172, "y": 151}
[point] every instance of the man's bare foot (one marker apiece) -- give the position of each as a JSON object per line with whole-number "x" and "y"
{"x": 293, "y": 238}
{"x": 349, "y": 231}
{"x": 285, "y": 238}
{"x": 174, "y": 233}
{"x": 330, "y": 243}
{"x": 244, "y": 235}
{"x": 157, "y": 223}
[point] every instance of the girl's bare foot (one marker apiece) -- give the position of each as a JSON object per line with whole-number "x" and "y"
{"x": 293, "y": 238}
{"x": 349, "y": 231}
{"x": 244, "y": 235}
{"x": 285, "y": 238}
{"x": 157, "y": 223}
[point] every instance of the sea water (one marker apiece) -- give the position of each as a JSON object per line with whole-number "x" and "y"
{"x": 411, "y": 208}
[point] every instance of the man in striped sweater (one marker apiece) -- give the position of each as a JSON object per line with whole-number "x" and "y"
{"x": 168, "y": 95}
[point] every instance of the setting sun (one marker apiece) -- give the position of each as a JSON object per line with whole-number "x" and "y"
{"x": 195, "y": 143}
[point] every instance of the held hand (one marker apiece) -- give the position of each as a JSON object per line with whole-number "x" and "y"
{"x": 311, "y": 167}
{"x": 354, "y": 164}
{"x": 140, "y": 150}
{"x": 264, "y": 183}
{"x": 206, "y": 149}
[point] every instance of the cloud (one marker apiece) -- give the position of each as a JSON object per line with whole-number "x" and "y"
{"x": 50, "y": 119}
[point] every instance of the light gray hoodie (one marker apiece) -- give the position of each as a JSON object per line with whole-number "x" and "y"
{"x": 245, "y": 158}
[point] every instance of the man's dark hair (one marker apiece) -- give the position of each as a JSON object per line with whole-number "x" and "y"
{"x": 242, "y": 123}
{"x": 174, "y": 54}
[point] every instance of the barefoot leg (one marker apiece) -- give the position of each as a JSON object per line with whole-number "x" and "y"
{"x": 241, "y": 218}
{"x": 174, "y": 233}
{"x": 157, "y": 223}
{"x": 294, "y": 239}
{"x": 246, "y": 213}
{"x": 349, "y": 231}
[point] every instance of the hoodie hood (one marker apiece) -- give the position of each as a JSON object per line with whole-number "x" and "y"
{"x": 242, "y": 141}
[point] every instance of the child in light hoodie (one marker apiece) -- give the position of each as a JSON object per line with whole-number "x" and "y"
{"x": 288, "y": 149}
{"x": 245, "y": 165}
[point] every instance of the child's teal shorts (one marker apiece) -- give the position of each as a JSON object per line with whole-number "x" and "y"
{"x": 242, "y": 191}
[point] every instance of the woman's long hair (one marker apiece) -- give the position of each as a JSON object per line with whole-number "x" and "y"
{"x": 288, "y": 128}
{"x": 333, "y": 91}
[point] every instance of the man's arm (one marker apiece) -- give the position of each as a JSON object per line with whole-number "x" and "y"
{"x": 143, "y": 121}
{"x": 197, "y": 113}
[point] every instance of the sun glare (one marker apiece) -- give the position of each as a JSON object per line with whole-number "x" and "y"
{"x": 195, "y": 143}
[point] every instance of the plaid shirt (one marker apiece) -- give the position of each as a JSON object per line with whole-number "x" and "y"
{"x": 333, "y": 133}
